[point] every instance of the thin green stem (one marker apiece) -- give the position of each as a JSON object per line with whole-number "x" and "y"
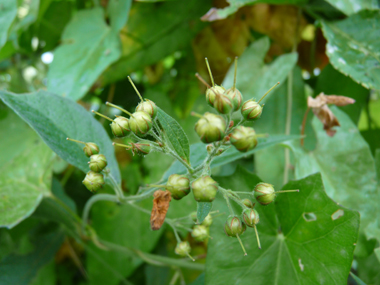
{"x": 244, "y": 193}
{"x": 202, "y": 80}
{"x": 274, "y": 86}
{"x": 228, "y": 204}
{"x": 257, "y": 237}
{"x": 241, "y": 244}
{"x": 134, "y": 87}
{"x": 209, "y": 71}
{"x": 288, "y": 125}
{"x": 287, "y": 191}
{"x": 184, "y": 163}
{"x": 235, "y": 72}
{"x": 103, "y": 116}
{"x": 75, "y": 141}
{"x": 119, "y": 108}
{"x": 122, "y": 145}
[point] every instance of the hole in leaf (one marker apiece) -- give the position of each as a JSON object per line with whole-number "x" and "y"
{"x": 309, "y": 217}
{"x": 300, "y": 264}
{"x": 336, "y": 215}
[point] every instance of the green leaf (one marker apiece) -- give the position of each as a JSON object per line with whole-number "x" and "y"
{"x": 55, "y": 118}
{"x": 16, "y": 269}
{"x": 88, "y": 47}
{"x": 350, "y": 7}
{"x": 25, "y": 168}
{"x": 155, "y": 31}
{"x": 125, "y": 226}
{"x": 218, "y": 14}
{"x": 353, "y": 46}
{"x": 198, "y": 153}
{"x": 348, "y": 169}
{"x": 118, "y": 11}
{"x": 8, "y": 10}
{"x": 300, "y": 234}
{"x": 357, "y": 279}
{"x": 203, "y": 208}
{"x": 254, "y": 78}
{"x": 175, "y": 134}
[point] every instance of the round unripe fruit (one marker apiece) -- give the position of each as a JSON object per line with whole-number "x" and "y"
{"x": 141, "y": 148}
{"x": 207, "y": 221}
{"x": 204, "y": 189}
{"x": 243, "y": 138}
{"x": 147, "y": 106}
{"x": 93, "y": 181}
{"x": 251, "y": 110}
{"x": 140, "y": 123}
{"x": 183, "y": 248}
{"x": 178, "y": 186}
{"x": 264, "y": 193}
{"x": 97, "y": 162}
{"x": 234, "y": 226}
{"x": 251, "y": 217}
{"x": 236, "y": 97}
{"x": 90, "y": 149}
{"x": 223, "y": 104}
{"x": 210, "y": 128}
{"x": 212, "y": 92}
{"x": 120, "y": 127}
{"x": 248, "y": 203}
{"x": 200, "y": 233}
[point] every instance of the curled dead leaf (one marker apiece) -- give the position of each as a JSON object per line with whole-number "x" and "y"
{"x": 322, "y": 111}
{"x": 160, "y": 208}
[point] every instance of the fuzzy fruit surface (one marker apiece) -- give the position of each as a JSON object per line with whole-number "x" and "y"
{"x": 243, "y": 138}
{"x": 251, "y": 110}
{"x": 211, "y": 128}
{"x": 264, "y": 193}
{"x": 251, "y": 217}
{"x": 236, "y": 97}
{"x": 93, "y": 181}
{"x": 90, "y": 149}
{"x": 248, "y": 203}
{"x": 178, "y": 185}
{"x": 141, "y": 148}
{"x": 223, "y": 104}
{"x": 200, "y": 233}
{"x": 147, "y": 106}
{"x": 183, "y": 248}
{"x": 120, "y": 127}
{"x": 140, "y": 123}
{"x": 204, "y": 189}
{"x": 234, "y": 226}
{"x": 97, "y": 162}
{"x": 212, "y": 92}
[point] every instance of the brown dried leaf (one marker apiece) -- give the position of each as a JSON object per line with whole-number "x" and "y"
{"x": 327, "y": 118}
{"x": 160, "y": 208}
{"x": 338, "y": 100}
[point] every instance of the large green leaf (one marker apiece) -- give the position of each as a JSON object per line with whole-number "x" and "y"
{"x": 8, "y": 13}
{"x": 353, "y": 46}
{"x": 153, "y": 32}
{"x": 175, "y": 134}
{"x": 306, "y": 238}
{"x": 55, "y": 118}
{"x": 346, "y": 165}
{"x": 198, "y": 153}
{"x": 218, "y": 14}
{"x": 352, "y": 6}
{"x": 124, "y": 226}
{"x": 25, "y": 168}
{"x": 88, "y": 47}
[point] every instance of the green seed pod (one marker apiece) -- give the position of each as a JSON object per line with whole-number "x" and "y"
{"x": 200, "y": 233}
{"x": 120, "y": 127}
{"x": 207, "y": 221}
{"x": 234, "y": 226}
{"x": 251, "y": 110}
{"x": 211, "y": 128}
{"x": 93, "y": 181}
{"x": 223, "y": 104}
{"x": 204, "y": 189}
{"x": 90, "y": 149}
{"x": 147, "y": 106}
{"x": 140, "y": 123}
{"x": 264, "y": 193}
{"x": 141, "y": 148}
{"x": 183, "y": 248}
{"x": 212, "y": 93}
{"x": 178, "y": 185}
{"x": 236, "y": 97}
{"x": 243, "y": 138}
{"x": 248, "y": 203}
{"x": 251, "y": 217}
{"x": 97, "y": 162}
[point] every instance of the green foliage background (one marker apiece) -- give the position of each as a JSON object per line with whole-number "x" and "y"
{"x": 61, "y": 58}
